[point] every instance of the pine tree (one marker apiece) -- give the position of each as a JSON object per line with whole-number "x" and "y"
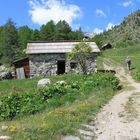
{"x": 25, "y": 34}
{"x": 47, "y": 32}
{"x": 35, "y": 35}
{"x": 62, "y": 30}
{"x": 9, "y": 42}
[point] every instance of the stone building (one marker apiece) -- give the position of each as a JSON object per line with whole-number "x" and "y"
{"x": 51, "y": 58}
{"x": 106, "y": 46}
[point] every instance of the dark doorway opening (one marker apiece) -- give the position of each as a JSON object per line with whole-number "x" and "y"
{"x": 60, "y": 66}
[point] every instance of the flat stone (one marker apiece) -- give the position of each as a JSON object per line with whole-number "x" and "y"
{"x": 70, "y": 138}
{"x": 86, "y": 133}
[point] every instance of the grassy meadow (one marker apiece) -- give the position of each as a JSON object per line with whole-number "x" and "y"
{"x": 62, "y": 115}
{"x": 64, "y": 112}
{"x": 119, "y": 55}
{"x": 18, "y": 86}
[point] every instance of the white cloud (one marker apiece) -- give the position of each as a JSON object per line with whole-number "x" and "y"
{"x": 45, "y": 10}
{"x": 110, "y": 26}
{"x": 97, "y": 31}
{"x": 100, "y": 12}
{"x": 127, "y": 3}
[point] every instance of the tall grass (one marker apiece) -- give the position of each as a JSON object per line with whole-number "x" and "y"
{"x": 18, "y": 86}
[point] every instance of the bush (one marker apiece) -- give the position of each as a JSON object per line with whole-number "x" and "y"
{"x": 58, "y": 89}
{"x": 14, "y": 104}
{"x": 101, "y": 80}
{"x": 83, "y": 84}
{"x": 136, "y": 75}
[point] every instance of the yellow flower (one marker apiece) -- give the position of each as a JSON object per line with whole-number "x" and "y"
{"x": 12, "y": 128}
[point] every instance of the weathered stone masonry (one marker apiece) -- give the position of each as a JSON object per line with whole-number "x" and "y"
{"x": 46, "y": 64}
{"x": 42, "y": 64}
{"x": 50, "y": 58}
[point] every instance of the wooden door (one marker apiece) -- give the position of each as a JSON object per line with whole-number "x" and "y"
{"x": 20, "y": 73}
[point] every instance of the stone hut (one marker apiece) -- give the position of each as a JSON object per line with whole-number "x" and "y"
{"x": 106, "y": 46}
{"x": 47, "y": 58}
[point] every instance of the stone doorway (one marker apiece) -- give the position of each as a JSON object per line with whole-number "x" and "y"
{"x": 60, "y": 67}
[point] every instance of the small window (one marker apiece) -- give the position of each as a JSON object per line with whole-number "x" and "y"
{"x": 73, "y": 65}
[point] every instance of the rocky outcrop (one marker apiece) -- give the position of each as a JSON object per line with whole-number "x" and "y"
{"x": 5, "y": 73}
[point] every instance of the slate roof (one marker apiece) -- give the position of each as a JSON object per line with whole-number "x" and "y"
{"x": 55, "y": 47}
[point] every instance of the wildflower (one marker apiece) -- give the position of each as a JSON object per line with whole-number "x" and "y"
{"x": 12, "y": 128}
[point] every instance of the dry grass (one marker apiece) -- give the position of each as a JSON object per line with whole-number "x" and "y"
{"x": 130, "y": 112}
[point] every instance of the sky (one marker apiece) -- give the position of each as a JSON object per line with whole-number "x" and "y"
{"x": 91, "y": 15}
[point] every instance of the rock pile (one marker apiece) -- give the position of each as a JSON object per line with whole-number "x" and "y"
{"x": 5, "y": 73}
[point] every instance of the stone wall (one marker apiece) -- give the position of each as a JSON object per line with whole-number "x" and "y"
{"x": 46, "y": 64}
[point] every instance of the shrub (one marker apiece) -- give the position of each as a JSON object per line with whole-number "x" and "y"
{"x": 83, "y": 84}
{"x": 58, "y": 89}
{"x": 136, "y": 75}
{"x": 14, "y": 104}
{"x": 101, "y": 80}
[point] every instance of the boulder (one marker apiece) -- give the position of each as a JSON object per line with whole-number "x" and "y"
{"x": 2, "y": 68}
{"x": 43, "y": 82}
{"x": 5, "y": 75}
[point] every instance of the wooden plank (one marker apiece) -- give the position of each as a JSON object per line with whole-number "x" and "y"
{"x": 20, "y": 73}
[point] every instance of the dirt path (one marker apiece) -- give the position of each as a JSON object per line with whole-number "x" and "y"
{"x": 120, "y": 118}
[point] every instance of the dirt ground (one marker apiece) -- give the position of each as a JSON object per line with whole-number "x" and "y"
{"x": 120, "y": 118}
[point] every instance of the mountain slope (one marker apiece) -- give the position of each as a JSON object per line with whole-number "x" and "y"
{"x": 123, "y": 35}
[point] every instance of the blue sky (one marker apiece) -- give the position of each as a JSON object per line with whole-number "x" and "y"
{"x": 91, "y": 15}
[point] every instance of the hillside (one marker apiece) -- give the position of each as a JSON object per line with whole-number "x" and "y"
{"x": 127, "y": 33}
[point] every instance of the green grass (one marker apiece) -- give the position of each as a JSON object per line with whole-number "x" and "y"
{"x": 18, "y": 86}
{"x": 100, "y": 62}
{"x": 62, "y": 115}
{"x": 58, "y": 121}
{"x": 120, "y": 54}
{"x": 26, "y": 85}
